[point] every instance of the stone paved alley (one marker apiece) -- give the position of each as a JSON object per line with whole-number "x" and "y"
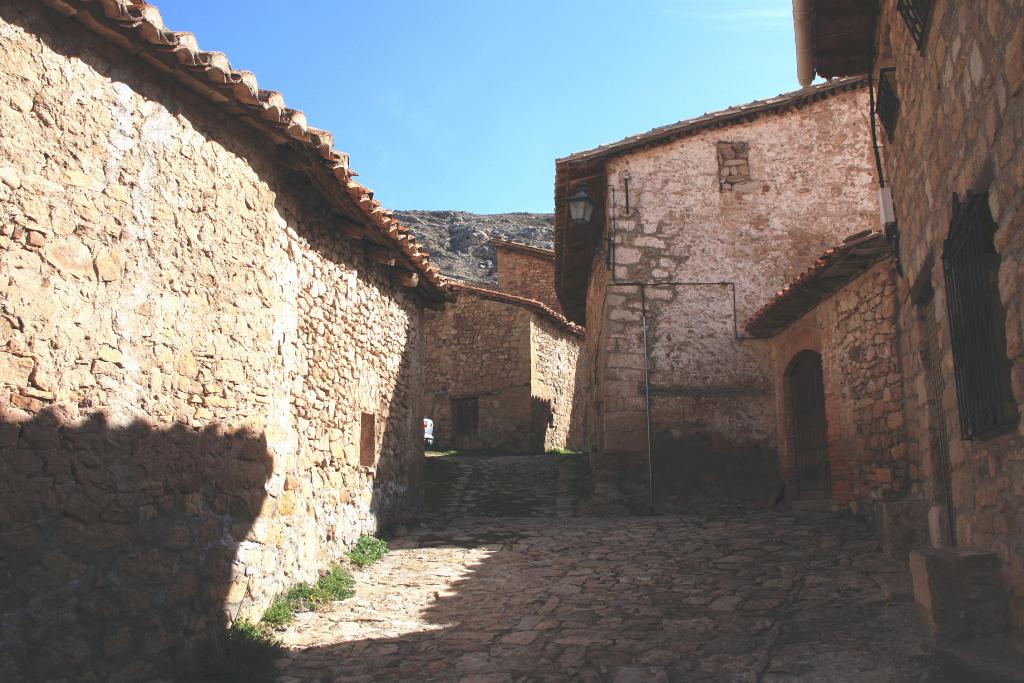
{"x": 508, "y": 581}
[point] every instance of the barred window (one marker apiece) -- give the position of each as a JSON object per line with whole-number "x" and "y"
{"x": 888, "y": 106}
{"x": 977, "y": 319}
{"x": 916, "y": 13}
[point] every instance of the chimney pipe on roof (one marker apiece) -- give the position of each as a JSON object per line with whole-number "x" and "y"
{"x": 803, "y": 28}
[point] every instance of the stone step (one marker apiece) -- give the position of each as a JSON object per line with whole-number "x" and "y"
{"x": 959, "y": 593}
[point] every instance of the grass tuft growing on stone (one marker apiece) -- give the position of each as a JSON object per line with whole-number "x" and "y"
{"x": 245, "y": 634}
{"x": 246, "y": 652}
{"x": 367, "y": 550}
{"x": 336, "y": 585}
{"x": 280, "y": 613}
{"x": 301, "y": 597}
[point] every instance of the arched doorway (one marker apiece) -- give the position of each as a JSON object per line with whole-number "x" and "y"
{"x": 810, "y": 428}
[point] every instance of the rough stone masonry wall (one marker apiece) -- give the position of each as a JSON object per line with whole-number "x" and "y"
{"x": 477, "y": 347}
{"x": 855, "y": 332}
{"x": 528, "y": 275}
{"x": 811, "y": 184}
{"x": 185, "y": 355}
{"x": 554, "y": 353}
{"x": 961, "y": 127}
{"x": 609, "y": 426}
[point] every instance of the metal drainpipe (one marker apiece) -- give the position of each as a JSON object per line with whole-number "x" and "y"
{"x": 613, "y": 233}
{"x": 803, "y": 28}
{"x": 647, "y": 396}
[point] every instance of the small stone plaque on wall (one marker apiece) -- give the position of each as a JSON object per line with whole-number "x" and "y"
{"x": 733, "y": 164}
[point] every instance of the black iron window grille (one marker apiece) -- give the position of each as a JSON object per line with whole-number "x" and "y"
{"x": 916, "y": 13}
{"x": 888, "y": 104}
{"x": 977, "y": 319}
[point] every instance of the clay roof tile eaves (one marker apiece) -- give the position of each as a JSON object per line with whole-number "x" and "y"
{"x": 521, "y": 301}
{"x": 801, "y": 294}
{"x": 137, "y": 25}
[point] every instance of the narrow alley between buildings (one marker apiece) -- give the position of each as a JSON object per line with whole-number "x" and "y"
{"x": 792, "y": 328}
{"x": 509, "y": 579}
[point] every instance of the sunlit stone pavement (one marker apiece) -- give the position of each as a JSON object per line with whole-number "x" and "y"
{"x": 546, "y": 593}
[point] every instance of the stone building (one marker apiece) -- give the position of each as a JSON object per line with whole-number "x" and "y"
{"x": 527, "y": 271}
{"x": 210, "y": 345}
{"x": 501, "y": 366}
{"x": 836, "y": 378}
{"x": 697, "y": 224}
{"x": 948, "y": 80}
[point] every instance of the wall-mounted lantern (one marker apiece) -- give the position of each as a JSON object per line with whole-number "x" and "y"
{"x": 581, "y": 207}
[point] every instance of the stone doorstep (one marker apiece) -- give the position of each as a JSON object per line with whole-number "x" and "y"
{"x": 959, "y": 593}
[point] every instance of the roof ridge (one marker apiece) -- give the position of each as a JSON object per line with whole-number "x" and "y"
{"x": 832, "y": 87}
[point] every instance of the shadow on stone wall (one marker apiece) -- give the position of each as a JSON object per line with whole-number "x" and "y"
{"x": 118, "y": 541}
{"x": 542, "y": 418}
{"x": 579, "y": 436}
{"x": 699, "y": 469}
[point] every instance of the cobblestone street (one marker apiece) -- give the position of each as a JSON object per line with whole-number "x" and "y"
{"x": 508, "y": 581}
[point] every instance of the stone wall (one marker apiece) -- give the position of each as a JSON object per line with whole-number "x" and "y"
{"x": 854, "y": 331}
{"x": 961, "y": 127}
{"x": 553, "y": 354}
{"x": 186, "y": 353}
{"x": 479, "y": 348}
{"x": 708, "y": 258}
{"x": 527, "y": 272}
{"x": 518, "y": 363}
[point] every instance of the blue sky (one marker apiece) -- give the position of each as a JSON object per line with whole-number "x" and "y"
{"x": 462, "y": 104}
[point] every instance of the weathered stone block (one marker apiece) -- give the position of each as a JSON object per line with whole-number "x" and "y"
{"x": 70, "y": 256}
{"x": 109, "y": 263}
{"x": 959, "y": 593}
{"x": 15, "y": 370}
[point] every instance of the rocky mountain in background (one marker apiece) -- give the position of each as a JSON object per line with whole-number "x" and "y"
{"x": 458, "y": 241}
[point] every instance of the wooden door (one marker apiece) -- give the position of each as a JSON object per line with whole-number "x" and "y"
{"x": 810, "y": 429}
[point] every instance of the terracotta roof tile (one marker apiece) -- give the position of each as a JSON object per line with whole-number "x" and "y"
{"x": 138, "y": 26}
{"x": 834, "y": 269}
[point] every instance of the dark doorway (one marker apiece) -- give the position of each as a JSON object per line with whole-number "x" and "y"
{"x": 810, "y": 429}
{"x": 466, "y": 421}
